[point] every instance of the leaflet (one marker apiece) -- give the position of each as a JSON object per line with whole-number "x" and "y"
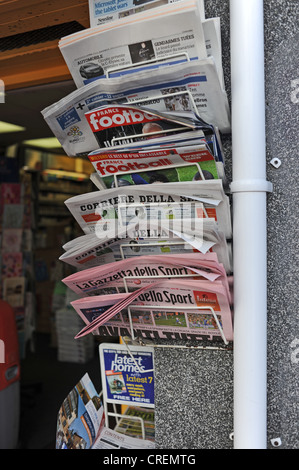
{"x": 207, "y": 302}
{"x": 177, "y": 30}
{"x": 81, "y": 423}
{"x": 164, "y": 89}
{"x": 93, "y": 210}
{"x": 101, "y": 12}
{"x": 129, "y": 274}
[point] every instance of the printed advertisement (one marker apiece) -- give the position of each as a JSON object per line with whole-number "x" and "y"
{"x": 127, "y": 378}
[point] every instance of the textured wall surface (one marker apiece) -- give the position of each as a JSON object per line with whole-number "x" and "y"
{"x": 194, "y": 388}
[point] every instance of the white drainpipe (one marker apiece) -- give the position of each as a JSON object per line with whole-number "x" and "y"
{"x": 249, "y": 188}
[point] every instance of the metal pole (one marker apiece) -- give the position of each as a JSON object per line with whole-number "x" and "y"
{"x": 249, "y": 189}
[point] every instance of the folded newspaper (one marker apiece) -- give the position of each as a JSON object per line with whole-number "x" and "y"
{"x": 81, "y": 423}
{"x": 177, "y": 29}
{"x": 183, "y": 87}
{"x": 101, "y": 12}
{"x": 121, "y": 168}
{"x": 113, "y": 124}
{"x": 89, "y": 251}
{"x": 195, "y": 309}
{"x": 145, "y": 204}
{"x": 130, "y": 274}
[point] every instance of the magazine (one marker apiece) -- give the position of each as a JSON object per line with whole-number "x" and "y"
{"x": 81, "y": 423}
{"x": 196, "y": 309}
{"x": 189, "y": 86}
{"x": 177, "y": 27}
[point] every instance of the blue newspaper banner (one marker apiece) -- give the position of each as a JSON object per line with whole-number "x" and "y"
{"x": 127, "y": 378}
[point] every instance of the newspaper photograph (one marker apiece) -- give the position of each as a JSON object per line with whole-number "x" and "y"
{"x": 205, "y": 299}
{"x": 177, "y": 28}
{"x": 131, "y": 426}
{"x": 101, "y": 12}
{"x": 192, "y": 86}
{"x": 81, "y": 423}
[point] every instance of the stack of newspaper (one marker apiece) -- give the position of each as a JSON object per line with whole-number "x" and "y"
{"x": 154, "y": 260}
{"x": 67, "y": 325}
{"x": 179, "y": 70}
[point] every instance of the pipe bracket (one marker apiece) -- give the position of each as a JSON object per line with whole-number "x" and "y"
{"x": 252, "y": 185}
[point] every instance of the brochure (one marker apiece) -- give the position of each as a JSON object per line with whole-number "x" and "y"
{"x": 81, "y": 423}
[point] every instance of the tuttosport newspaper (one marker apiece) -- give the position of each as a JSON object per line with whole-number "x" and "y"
{"x": 168, "y": 309}
{"x": 95, "y": 52}
{"x": 198, "y": 199}
{"x": 103, "y": 11}
{"x": 191, "y": 86}
{"x": 81, "y": 423}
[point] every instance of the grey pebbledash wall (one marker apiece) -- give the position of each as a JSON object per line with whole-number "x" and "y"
{"x": 194, "y": 388}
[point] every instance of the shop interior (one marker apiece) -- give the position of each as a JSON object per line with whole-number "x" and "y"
{"x": 34, "y": 76}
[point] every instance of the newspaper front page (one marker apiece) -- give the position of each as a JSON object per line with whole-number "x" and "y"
{"x": 101, "y": 12}
{"x": 184, "y": 86}
{"x": 177, "y": 30}
{"x": 193, "y": 309}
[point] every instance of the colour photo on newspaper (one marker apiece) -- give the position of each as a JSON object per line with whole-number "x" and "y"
{"x": 147, "y": 167}
{"x": 192, "y": 309}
